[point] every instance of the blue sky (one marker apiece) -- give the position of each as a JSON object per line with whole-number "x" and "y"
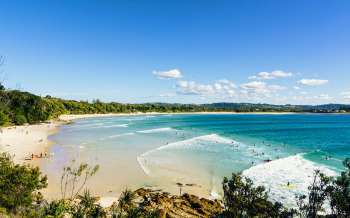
{"x": 195, "y": 51}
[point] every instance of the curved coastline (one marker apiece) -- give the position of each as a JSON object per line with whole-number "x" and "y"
{"x": 23, "y": 140}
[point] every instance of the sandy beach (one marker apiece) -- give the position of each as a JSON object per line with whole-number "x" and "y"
{"x": 70, "y": 117}
{"x": 23, "y": 141}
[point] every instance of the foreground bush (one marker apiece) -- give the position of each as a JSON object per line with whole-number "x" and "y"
{"x": 19, "y": 184}
{"x": 335, "y": 192}
{"x": 20, "y": 197}
{"x": 243, "y": 199}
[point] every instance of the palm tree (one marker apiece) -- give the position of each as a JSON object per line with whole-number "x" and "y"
{"x": 87, "y": 200}
{"x": 126, "y": 201}
{"x": 87, "y": 204}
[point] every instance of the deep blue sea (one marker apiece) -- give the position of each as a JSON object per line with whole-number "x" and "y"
{"x": 200, "y": 149}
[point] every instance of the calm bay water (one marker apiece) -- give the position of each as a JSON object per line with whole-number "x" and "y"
{"x": 161, "y": 150}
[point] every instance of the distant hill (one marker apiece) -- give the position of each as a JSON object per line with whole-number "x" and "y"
{"x": 250, "y": 107}
{"x": 17, "y": 107}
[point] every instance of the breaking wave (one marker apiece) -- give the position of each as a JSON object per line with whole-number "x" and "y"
{"x": 192, "y": 143}
{"x": 120, "y": 135}
{"x": 286, "y": 177}
{"x": 156, "y": 130}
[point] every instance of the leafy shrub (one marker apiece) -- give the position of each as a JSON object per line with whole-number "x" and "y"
{"x": 4, "y": 119}
{"x": 339, "y": 192}
{"x": 19, "y": 184}
{"x": 243, "y": 199}
{"x": 20, "y": 119}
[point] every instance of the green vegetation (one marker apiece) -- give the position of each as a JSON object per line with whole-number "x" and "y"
{"x": 242, "y": 199}
{"x": 18, "y": 107}
{"x": 19, "y": 185}
{"x": 20, "y": 197}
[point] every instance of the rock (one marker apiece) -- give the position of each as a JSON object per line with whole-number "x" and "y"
{"x": 174, "y": 206}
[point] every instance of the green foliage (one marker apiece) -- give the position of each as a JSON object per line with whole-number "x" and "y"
{"x": 2, "y": 87}
{"x": 126, "y": 204}
{"x": 38, "y": 109}
{"x": 20, "y": 119}
{"x": 19, "y": 184}
{"x": 87, "y": 206}
{"x": 55, "y": 209}
{"x": 339, "y": 192}
{"x": 4, "y": 119}
{"x": 334, "y": 191}
{"x": 127, "y": 207}
{"x": 312, "y": 205}
{"x": 242, "y": 199}
{"x": 74, "y": 179}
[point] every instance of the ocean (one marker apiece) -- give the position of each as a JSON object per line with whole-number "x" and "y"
{"x": 198, "y": 150}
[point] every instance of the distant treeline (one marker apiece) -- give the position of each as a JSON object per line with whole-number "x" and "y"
{"x": 17, "y": 107}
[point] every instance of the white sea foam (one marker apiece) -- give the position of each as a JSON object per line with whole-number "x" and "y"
{"x": 110, "y": 126}
{"x": 188, "y": 143}
{"x": 192, "y": 142}
{"x": 120, "y": 135}
{"x": 142, "y": 162}
{"x": 275, "y": 175}
{"x": 156, "y": 130}
{"x": 214, "y": 195}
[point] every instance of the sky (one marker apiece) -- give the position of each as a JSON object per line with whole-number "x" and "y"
{"x": 183, "y": 51}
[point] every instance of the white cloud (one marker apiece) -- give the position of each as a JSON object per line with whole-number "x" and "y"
{"x": 323, "y": 97}
{"x": 345, "y": 95}
{"x": 259, "y": 89}
{"x": 296, "y": 87}
{"x": 221, "y": 87}
{"x": 171, "y": 74}
{"x": 304, "y": 98}
{"x": 312, "y": 82}
{"x": 272, "y": 75}
{"x": 167, "y": 95}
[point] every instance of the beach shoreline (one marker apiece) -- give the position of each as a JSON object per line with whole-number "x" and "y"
{"x": 22, "y": 141}
{"x": 71, "y": 117}
{"x": 27, "y": 141}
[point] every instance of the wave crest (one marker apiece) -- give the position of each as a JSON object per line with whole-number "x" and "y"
{"x": 156, "y": 130}
{"x": 211, "y": 138}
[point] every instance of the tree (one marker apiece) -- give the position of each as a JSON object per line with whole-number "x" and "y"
{"x": 312, "y": 205}
{"x": 74, "y": 179}
{"x": 55, "y": 208}
{"x": 20, "y": 119}
{"x": 88, "y": 206}
{"x": 4, "y": 119}
{"x": 126, "y": 205}
{"x": 19, "y": 184}
{"x": 242, "y": 199}
{"x": 339, "y": 192}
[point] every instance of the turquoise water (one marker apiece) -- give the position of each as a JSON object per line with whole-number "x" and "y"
{"x": 161, "y": 150}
